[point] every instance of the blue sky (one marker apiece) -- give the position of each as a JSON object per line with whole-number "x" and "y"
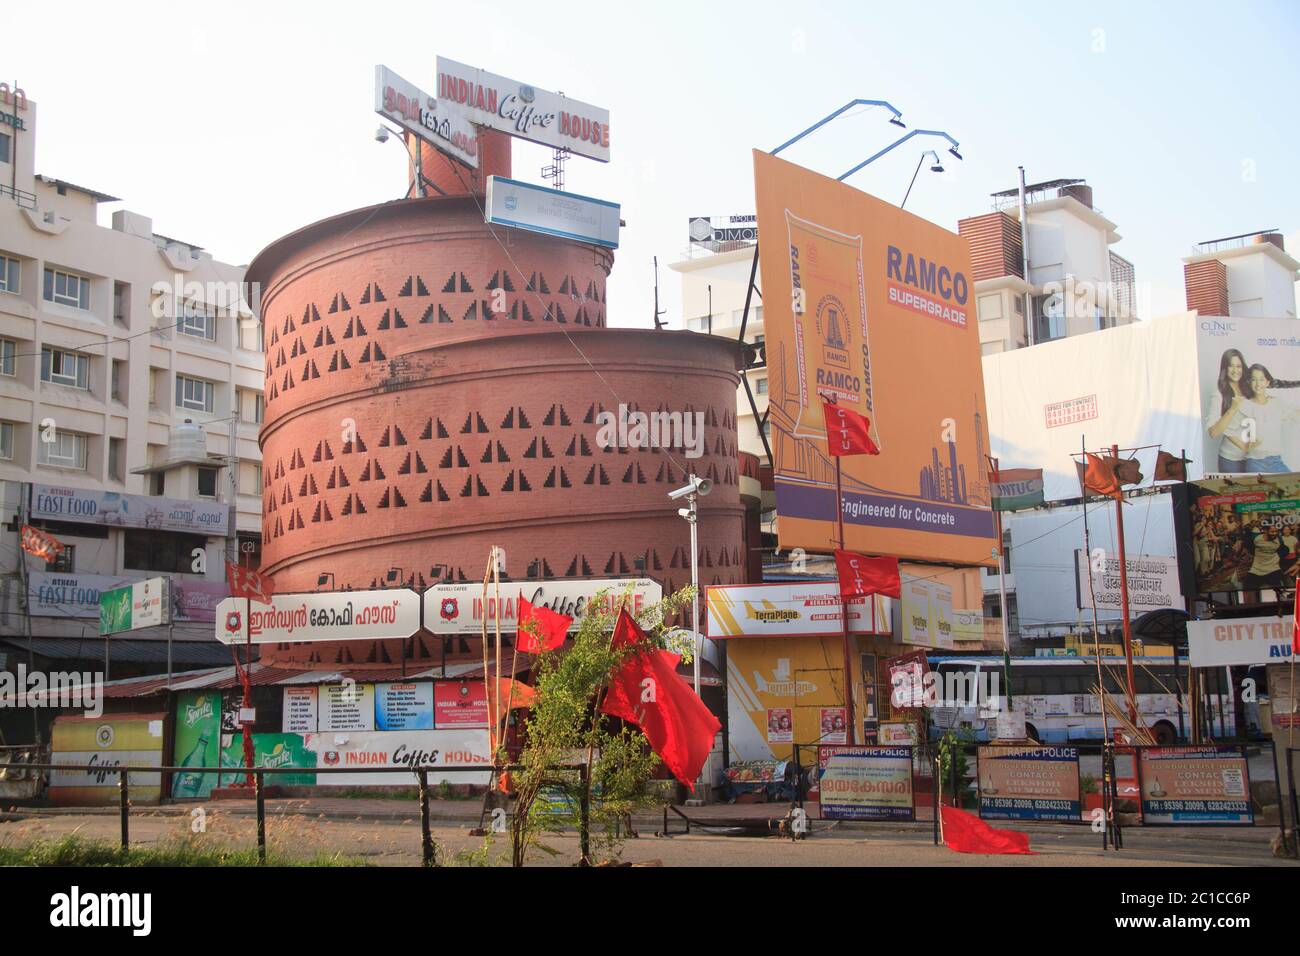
{"x": 234, "y": 123}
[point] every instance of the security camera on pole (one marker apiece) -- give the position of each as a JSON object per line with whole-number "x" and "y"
{"x": 692, "y": 492}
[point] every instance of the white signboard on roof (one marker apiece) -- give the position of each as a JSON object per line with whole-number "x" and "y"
{"x": 419, "y": 113}
{"x": 552, "y": 212}
{"x": 519, "y": 109}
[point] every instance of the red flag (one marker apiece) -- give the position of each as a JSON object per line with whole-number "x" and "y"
{"x": 1099, "y": 477}
{"x": 967, "y": 833}
{"x": 247, "y": 583}
{"x": 513, "y": 694}
{"x": 1170, "y": 467}
{"x": 861, "y": 575}
{"x": 847, "y": 432}
{"x": 647, "y": 691}
{"x": 39, "y": 543}
{"x": 1127, "y": 470}
{"x": 549, "y": 632}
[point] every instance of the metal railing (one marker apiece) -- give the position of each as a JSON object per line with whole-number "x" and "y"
{"x": 22, "y": 197}
{"x": 421, "y": 774}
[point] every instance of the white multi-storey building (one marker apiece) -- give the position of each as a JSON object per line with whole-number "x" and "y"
{"x": 130, "y": 379}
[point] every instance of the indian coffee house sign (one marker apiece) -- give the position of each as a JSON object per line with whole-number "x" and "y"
{"x": 461, "y": 608}
{"x": 91, "y": 506}
{"x": 551, "y": 119}
{"x": 392, "y": 613}
{"x": 552, "y": 212}
{"x": 420, "y": 114}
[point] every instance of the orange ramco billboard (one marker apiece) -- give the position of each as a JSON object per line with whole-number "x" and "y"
{"x": 874, "y": 306}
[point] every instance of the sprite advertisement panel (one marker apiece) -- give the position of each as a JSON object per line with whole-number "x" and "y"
{"x": 271, "y": 750}
{"x": 198, "y": 741}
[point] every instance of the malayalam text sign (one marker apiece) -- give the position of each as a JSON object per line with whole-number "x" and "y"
{"x": 324, "y": 616}
{"x": 865, "y": 783}
{"x": 552, "y": 212}
{"x": 419, "y": 113}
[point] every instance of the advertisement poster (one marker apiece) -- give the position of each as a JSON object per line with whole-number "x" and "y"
{"x": 792, "y": 610}
{"x": 1245, "y": 532}
{"x": 1152, "y": 582}
{"x": 348, "y": 706}
{"x": 78, "y": 595}
{"x": 1249, "y": 376}
{"x": 300, "y": 710}
{"x": 413, "y": 748}
{"x": 108, "y": 742}
{"x": 898, "y": 733}
{"x": 865, "y": 783}
{"x": 834, "y": 726}
{"x": 907, "y": 680}
{"x": 1283, "y": 705}
{"x": 460, "y": 704}
{"x": 875, "y": 306}
{"x": 1029, "y": 783}
{"x": 407, "y": 706}
{"x": 139, "y": 604}
{"x": 460, "y": 608}
{"x": 780, "y": 725}
{"x": 89, "y": 506}
{"x": 1195, "y": 785}
{"x": 271, "y": 750}
{"x": 926, "y": 613}
{"x": 325, "y": 616}
{"x": 197, "y": 742}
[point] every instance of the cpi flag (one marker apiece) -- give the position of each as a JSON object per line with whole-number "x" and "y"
{"x": 646, "y": 691}
{"x": 861, "y": 576}
{"x": 847, "y": 432}
{"x": 548, "y": 630}
{"x": 247, "y": 583}
{"x": 37, "y": 542}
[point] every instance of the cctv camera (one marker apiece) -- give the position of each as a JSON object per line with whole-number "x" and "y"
{"x": 381, "y": 135}
{"x": 698, "y": 486}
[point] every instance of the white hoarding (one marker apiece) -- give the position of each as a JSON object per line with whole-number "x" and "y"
{"x": 552, "y": 212}
{"x": 791, "y": 610}
{"x": 1243, "y": 640}
{"x": 92, "y": 506}
{"x": 419, "y": 113}
{"x": 1152, "y": 581}
{"x": 499, "y": 103}
{"x": 405, "y": 748}
{"x": 329, "y": 616}
{"x": 1135, "y": 385}
{"x": 150, "y": 603}
{"x": 460, "y": 608}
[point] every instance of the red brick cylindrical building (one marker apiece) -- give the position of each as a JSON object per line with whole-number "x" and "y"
{"x": 434, "y": 387}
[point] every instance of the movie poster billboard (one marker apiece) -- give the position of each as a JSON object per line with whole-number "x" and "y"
{"x": 1249, "y": 377}
{"x": 1029, "y": 783}
{"x": 875, "y": 307}
{"x": 865, "y": 783}
{"x": 1195, "y": 785}
{"x": 1245, "y": 532}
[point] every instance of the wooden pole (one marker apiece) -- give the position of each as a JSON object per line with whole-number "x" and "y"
{"x": 1123, "y": 599}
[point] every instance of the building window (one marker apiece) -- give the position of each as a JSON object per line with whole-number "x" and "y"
{"x": 117, "y": 459}
{"x": 165, "y": 551}
{"x": 195, "y": 321}
{"x": 8, "y": 349}
{"x": 65, "y": 368}
{"x": 6, "y": 142}
{"x": 121, "y": 299}
{"x": 9, "y": 274}
{"x": 251, "y": 412}
{"x": 7, "y": 441}
{"x": 207, "y": 482}
{"x": 194, "y": 394}
{"x": 250, "y": 479}
{"x": 67, "y": 450}
{"x": 119, "y": 379}
{"x": 767, "y": 429}
{"x": 761, "y": 386}
{"x": 67, "y": 288}
{"x": 157, "y": 483}
{"x": 65, "y": 563}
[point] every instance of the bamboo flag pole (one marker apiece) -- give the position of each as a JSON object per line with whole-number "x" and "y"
{"x": 486, "y": 676}
{"x": 1092, "y": 594}
{"x": 496, "y": 584}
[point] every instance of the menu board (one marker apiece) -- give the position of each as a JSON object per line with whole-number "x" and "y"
{"x": 347, "y": 706}
{"x": 300, "y": 710}
{"x": 405, "y": 706}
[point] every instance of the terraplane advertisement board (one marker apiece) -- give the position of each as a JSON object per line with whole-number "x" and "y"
{"x": 874, "y": 306}
{"x": 791, "y": 610}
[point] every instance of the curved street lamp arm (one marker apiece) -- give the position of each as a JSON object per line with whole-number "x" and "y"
{"x": 822, "y": 122}
{"x": 900, "y": 142}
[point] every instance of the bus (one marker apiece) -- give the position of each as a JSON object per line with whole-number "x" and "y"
{"x": 1055, "y": 694}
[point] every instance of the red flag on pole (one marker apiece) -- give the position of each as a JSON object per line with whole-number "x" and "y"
{"x": 861, "y": 575}
{"x": 247, "y": 583}
{"x": 42, "y": 545}
{"x": 1099, "y": 476}
{"x": 647, "y": 691}
{"x": 1170, "y": 467}
{"x": 847, "y": 432}
{"x": 967, "y": 833}
{"x": 549, "y": 628}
